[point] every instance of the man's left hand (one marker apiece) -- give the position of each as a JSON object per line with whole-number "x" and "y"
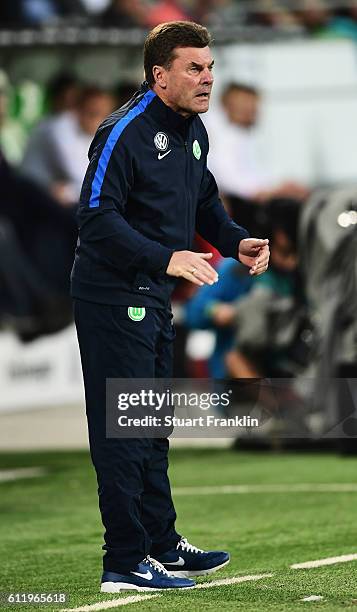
{"x": 254, "y": 253}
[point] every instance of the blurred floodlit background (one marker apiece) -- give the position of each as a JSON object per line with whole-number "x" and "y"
{"x": 283, "y": 133}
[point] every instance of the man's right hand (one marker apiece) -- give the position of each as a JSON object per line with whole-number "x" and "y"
{"x": 192, "y": 266}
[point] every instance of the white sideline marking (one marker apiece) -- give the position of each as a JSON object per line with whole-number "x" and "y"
{"x": 327, "y": 561}
{"x": 17, "y": 473}
{"x": 234, "y": 580}
{"x": 105, "y": 605}
{"x": 273, "y": 488}
{"x": 113, "y": 603}
{"x": 312, "y": 598}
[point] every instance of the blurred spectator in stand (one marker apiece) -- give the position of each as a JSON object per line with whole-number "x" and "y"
{"x": 93, "y": 7}
{"x": 58, "y": 159}
{"x": 238, "y": 297}
{"x": 26, "y": 12}
{"x": 211, "y": 308}
{"x": 352, "y": 11}
{"x": 138, "y": 13}
{"x": 236, "y": 156}
{"x": 343, "y": 24}
{"x": 269, "y": 321}
{"x": 273, "y": 14}
{"x": 124, "y": 14}
{"x": 218, "y": 13}
{"x": 12, "y": 133}
{"x": 37, "y": 12}
{"x": 318, "y": 20}
{"x": 62, "y": 93}
{"x": 165, "y": 10}
{"x": 37, "y": 241}
{"x": 314, "y": 16}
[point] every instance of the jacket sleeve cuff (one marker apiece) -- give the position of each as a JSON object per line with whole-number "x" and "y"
{"x": 230, "y": 241}
{"x": 154, "y": 260}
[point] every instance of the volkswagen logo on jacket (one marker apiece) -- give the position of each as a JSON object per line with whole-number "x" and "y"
{"x": 161, "y": 141}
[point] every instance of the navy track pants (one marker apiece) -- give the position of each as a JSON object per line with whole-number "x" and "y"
{"x": 133, "y": 486}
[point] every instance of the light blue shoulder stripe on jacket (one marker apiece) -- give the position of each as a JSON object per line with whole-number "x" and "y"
{"x": 110, "y": 144}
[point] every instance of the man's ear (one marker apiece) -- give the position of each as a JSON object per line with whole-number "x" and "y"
{"x": 159, "y": 74}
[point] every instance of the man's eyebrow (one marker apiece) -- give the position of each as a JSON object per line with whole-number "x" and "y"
{"x": 200, "y": 66}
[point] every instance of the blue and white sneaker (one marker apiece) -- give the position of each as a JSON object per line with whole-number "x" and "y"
{"x": 149, "y": 575}
{"x": 187, "y": 560}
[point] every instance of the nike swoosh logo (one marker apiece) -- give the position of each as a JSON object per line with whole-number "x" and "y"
{"x": 180, "y": 561}
{"x": 147, "y": 576}
{"x": 162, "y": 155}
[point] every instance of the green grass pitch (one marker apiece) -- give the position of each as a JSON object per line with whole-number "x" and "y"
{"x": 50, "y": 531}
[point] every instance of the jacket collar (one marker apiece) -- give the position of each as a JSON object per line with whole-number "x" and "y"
{"x": 165, "y": 115}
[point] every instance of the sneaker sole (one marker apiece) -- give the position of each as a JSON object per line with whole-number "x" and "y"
{"x": 116, "y": 587}
{"x": 190, "y": 574}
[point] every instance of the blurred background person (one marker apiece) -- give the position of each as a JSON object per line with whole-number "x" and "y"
{"x": 40, "y": 161}
{"x": 61, "y": 94}
{"x": 269, "y": 320}
{"x": 57, "y": 154}
{"x": 124, "y": 14}
{"x": 38, "y": 12}
{"x": 129, "y": 13}
{"x": 240, "y": 304}
{"x": 274, "y": 14}
{"x": 314, "y": 16}
{"x": 212, "y": 307}
{"x": 166, "y": 10}
{"x": 235, "y": 156}
{"x": 217, "y": 13}
{"x": 93, "y": 7}
{"x": 321, "y": 21}
{"x": 13, "y": 136}
{"x": 238, "y": 155}
{"x": 26, "y": 12}
{"x": 37, "y": 241}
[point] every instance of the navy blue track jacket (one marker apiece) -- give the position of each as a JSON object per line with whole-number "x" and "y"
{"x": 146, "y": 191}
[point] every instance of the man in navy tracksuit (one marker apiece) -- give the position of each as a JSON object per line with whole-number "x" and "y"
{"x": 146, "y": 191}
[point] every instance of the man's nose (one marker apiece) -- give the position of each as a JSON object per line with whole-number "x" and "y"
{"x": 207, "y": 77}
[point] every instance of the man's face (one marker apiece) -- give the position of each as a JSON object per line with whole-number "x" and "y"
{"x": 186, "y": 86}
{"x": 241, "y": 107}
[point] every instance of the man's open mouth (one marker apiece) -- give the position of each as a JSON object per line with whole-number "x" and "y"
{"x": 205, "y": 94}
